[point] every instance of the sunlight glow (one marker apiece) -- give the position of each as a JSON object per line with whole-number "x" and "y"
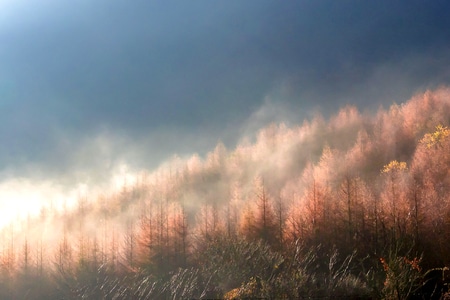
{"x": 123, "y": 176}
{"x": 21, "y": 197}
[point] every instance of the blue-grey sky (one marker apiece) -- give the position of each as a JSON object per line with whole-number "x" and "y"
{"x": 87, "y": 84}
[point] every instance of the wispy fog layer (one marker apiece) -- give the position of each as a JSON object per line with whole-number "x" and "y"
{"x": 107, "y": 162}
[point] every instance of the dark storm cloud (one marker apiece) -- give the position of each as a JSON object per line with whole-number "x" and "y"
{"x": 177, "y": 76}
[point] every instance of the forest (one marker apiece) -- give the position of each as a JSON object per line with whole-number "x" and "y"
{"x": 351, "y": 206}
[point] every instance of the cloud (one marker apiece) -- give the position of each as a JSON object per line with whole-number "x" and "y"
{"x": 88, "y": 87}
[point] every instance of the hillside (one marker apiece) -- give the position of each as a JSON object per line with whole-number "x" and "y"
{"x": 357, "y": 205}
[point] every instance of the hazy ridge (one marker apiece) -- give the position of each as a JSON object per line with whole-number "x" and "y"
{"x": 355, "y": 182}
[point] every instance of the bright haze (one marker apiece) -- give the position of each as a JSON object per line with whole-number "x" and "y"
{"x": 92, "y": 91}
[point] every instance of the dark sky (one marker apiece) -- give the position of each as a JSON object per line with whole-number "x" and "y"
{"x": 86, "y": 85}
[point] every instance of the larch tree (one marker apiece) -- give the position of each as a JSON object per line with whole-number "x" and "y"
{"x": 64, "y": 254}
{"x": 83, "y": 243}
{"x": 432, "y": 179}
{"x": 394, "y": 195}
{"x": 180, "y": 234}
{"x": 146, "y": 234}
{"x": 348, "y": 197}
{"x": 208, "y": 223}
{"x": 280, "y": 211}
{"x": 316, "y": 201}
{"x": 26, "y": 261}
{"x": 230, "y": 212}
{"x": 261, "y": 222}
{"x": 295, "y": 224}
{"x": 129, "y": 244}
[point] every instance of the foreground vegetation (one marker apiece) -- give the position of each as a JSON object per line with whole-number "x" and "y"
{"x": 354, "y": 207}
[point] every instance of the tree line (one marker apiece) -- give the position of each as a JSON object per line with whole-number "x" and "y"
{"x": 366, "y": 197}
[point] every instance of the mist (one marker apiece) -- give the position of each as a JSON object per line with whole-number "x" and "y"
{"x": 154, "y": 147}
{"x": 311, "y": 176}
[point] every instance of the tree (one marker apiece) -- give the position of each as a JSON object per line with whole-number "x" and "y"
{"x": 180, "y": 234}
{"x": 129, "y": 245}
{"x": 349, "y": 200}
{"x": 230, "y": 213}
{"x": 208, "y": 223}
{"x": 431, "y": 173}
{"x": 394, "y": 196}
{"x": 280, "y": 218}
{"x": 259, "y": 220}
{"x": 64, "y": 261}
{"x": 295, "y": 221}
{"x": 146, "y": 235}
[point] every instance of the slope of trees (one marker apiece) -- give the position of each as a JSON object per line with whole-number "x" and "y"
{"x": 355, "y": 206}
